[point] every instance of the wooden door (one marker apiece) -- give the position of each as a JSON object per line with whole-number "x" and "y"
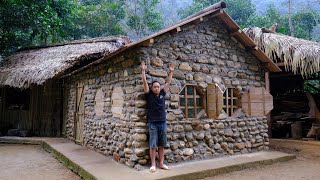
{"x": 79, "y": 113}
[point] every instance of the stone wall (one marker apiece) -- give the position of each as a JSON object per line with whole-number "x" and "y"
{"x": 204, "y": 54}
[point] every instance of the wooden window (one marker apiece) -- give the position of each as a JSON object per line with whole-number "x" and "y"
{"x": 231, "y": 101}
{"x": 257, "y": 102}
{"x": 218, "y": 101}
{"x": 191, "y": 101}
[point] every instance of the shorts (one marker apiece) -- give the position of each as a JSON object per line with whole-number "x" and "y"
{"x": 157, "y": 134}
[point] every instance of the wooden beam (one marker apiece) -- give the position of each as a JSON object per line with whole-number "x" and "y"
{"x": 148, "y": 42}
{"x": 197, "y": 21}
{"x": 255, "y": 48}
{"x": 220, "y": 12}
{"x": 236, "y": 32}
{"x": 216, "y": 6}
{"x": 250, "y": 49}
{"x": 284, "y": 75}
{"x": 280, "y": 64}
{"x": 265, "y": 65}
{"x": 178, "y": 29}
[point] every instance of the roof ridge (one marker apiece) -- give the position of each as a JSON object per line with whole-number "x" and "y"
{"x": 79, "y": 41}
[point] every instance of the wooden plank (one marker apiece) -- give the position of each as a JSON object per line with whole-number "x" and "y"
{"x": 211, "y": 101}
{"x": 79, "y": 113}
{"x": 219, "y": 100}
{"x": 268, "y": 102}
{"x": 257, "y": 109}
{"x": 186, "y": 100}
{"x": 255, "y": 95}
{"x": 231, "y": 99}
{"x": 225, "y": 18}
{"x": 227, "y": 103}
{"x": 258, "y": 102}
{"x": 267, "y": 81}
{"x": 195, "y": 101}
{"x": 263, "y": 57}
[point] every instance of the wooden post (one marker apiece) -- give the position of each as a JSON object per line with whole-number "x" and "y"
{"x": 314, "y": 111}
{"x": 267, "y": 82}
{"x": 1, "y": 107}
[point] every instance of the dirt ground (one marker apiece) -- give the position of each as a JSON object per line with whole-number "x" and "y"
{"x": 31, "y": 162}
{"x": 305, "y": 166}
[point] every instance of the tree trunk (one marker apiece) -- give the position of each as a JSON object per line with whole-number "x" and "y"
{"x": 314, "y": 111}
{"x": 290, "y": 19}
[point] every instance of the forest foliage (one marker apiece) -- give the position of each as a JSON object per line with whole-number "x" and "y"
{"x": 25, "y": 23}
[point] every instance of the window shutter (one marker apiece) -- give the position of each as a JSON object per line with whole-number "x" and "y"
{"x": 258, "y": 102}
{"x": 214, "y": 101}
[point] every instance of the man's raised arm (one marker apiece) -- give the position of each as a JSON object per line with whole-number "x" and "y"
{"x": 167, "y": 84}
{"x": 143, "y": 76}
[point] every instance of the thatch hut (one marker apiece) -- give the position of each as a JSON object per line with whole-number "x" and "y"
{"x": 30, "y": 85}
{"x": 299, "y": 59}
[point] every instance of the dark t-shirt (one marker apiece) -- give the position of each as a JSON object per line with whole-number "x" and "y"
{"x": 156, "y": 106}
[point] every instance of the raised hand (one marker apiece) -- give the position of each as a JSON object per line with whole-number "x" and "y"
{"x": 171, "y": 67}
{"x": 143, "y": 66}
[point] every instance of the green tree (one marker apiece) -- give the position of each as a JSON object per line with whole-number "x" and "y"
{"x": 304, "y": 21}
{"x": 31, "y": 22}
{"x": 93, "y": 18}
{"x": 37, "y": 22}
{"x": 143, "y": 18}
{"x": 272, "y": 16}
{"x": 312, "y": 83}
{"x": 239, "y": 10}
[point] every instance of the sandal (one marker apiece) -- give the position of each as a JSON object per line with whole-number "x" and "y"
{"x": 165, "y": 167}
{"x": 153, "y": 169}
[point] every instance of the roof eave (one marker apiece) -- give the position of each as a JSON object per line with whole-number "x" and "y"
{"x": 247, "y": 42}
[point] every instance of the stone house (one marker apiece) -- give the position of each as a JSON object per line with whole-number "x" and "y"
{"x": 216, "y": 105}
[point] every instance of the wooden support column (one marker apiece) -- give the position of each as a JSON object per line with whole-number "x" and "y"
{"x": 314, "y": 111}
{"x": 2, "y": 105}
{"x": 267, "y": 82}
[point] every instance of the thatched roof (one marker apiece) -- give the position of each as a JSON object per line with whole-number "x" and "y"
{"x": 298, "y": 55}
{"x": 37, "y": 65}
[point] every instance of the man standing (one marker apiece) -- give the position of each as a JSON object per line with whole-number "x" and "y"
{"x": 156, "y": 117}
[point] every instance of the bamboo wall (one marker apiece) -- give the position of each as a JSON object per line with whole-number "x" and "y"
{"x": 44, "y": 116}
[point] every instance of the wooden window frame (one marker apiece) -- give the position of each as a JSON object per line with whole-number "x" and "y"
{"x": 229, "y": 94}
{"x": 196, "y": 94}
